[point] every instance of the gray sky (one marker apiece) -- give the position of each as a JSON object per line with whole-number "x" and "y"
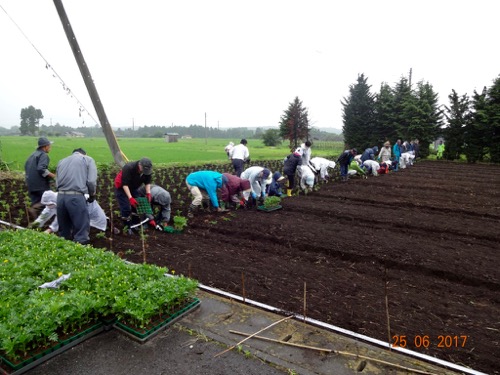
{"x": 163, "y": 62}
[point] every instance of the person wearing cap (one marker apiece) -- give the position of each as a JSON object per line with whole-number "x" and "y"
{"x": 203, "y": 185}
{"x": 76, "y": 176}
{"x": 38, "y": 175}
{"x": 239, "y": 154}
{"x": 307, "y": 178}
{"x": 259, "y": 179}
{"x": 344, "y": 160}
{"x": 322, "y": 165}
{"x": 159, "y": 198}
{"x": 291, "y": 163}
{"x": 97, "y": 216}
{"x": 133, "y": 175}
{"x": 235, "y": 192}
{"x": 369, "y": 154}
{"x": 275, "y": 188}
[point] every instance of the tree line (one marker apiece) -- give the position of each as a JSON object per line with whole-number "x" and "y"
{"x": 469, "y": 126}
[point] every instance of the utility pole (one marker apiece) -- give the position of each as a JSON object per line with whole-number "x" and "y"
{"x": 205, "y": 128}
{"x": 118, "y": 155}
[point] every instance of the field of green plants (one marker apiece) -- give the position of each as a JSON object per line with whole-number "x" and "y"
{"x": 15, "y": 150}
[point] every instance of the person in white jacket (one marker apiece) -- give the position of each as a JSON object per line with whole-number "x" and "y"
{"x": 228, "y": 149}
{"x": 321, "y": 165}
{"x": 306, "y": 152}
{"x": 98, "y": 218}
{"x": 259, "y": 178}
{"x": 306, "y": 178}
{"x": 371, "y": 166}
{"x": 239, "y": 154}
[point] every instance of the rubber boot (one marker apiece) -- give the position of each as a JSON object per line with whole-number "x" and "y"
{"x": 191, "y": 210}
{"x": 288, "y": 192}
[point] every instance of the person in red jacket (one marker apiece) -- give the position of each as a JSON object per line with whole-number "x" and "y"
{"x": 132, "y": 176}
{"x": 235, "y": 192}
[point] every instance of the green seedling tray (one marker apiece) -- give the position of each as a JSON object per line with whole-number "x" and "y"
{"x": 149, "y": 333}
{"x": 59, "y": 347}
{"x": 269, "y": 209}
{"x": 143, "y": 206}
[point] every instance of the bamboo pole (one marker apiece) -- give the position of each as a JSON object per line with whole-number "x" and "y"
{"x": 252, "y": 335}
{"x": 339, "y": 352}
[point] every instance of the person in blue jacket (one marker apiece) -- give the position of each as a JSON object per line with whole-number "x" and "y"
{"x": 204, "y": 185}
{"x": 275, "y": 188}
{"x": 369, "y": 154}
{"x": 396, "y": 152}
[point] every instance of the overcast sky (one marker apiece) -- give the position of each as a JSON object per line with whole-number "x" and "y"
{"x": 162, "y": 62}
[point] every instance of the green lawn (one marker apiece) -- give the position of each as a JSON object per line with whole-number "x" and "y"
{"x": 15, "y": 150}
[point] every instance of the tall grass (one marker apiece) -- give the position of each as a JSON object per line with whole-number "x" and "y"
{"x": 16, "y": 149}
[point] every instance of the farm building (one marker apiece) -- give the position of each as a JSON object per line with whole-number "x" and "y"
{"x": 171, "y": 137}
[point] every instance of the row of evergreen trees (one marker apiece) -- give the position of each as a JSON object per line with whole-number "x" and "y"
{"x": 470, "y": 127}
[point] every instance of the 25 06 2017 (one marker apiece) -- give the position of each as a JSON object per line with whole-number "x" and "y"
{"x": 425, "y": 341}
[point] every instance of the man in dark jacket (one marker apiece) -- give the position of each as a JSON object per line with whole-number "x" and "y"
{"x": 292, "y": 161}
{"x": 127, "y": 182}
{"x": 344, "y": 160}
{"x": 38, "y": 175}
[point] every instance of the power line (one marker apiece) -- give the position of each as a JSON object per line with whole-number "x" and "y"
{"x": 48, "y": 66}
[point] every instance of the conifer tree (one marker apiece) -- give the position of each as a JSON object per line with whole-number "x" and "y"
{"x": 358, "y": 116}
{"x": 385, "y": 128}
{"x": 476, "y": 132}
{"x": 458, "y": 116}
{"x": 493, "y": 111}
{"x": 294, "y": 123}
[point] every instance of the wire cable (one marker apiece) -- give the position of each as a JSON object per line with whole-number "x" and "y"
{"x": 55, "y": 74}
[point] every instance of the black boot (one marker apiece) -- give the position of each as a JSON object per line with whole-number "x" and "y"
{"x": 191, "y": 210}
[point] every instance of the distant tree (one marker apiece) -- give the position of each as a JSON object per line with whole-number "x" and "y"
{"x": 404, "y": 109}
{"x": 476, "y": 131}
{"x": 294, "y": 123}
{"x": 458, "y": 115}
{"x": 493, "y": 110}
{"x": 271, "y": 137}
{"x": 30, "y": 118}
{"x": 358, "y": 115}
{"x": 385, "y": 124}
{"x": 425, "y": 117}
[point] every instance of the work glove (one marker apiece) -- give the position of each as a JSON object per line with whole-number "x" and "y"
{"x": 133, "y": 202}
{"x": 148, "y": 196}
{"x": 91, "y": 198}
{"x": 263, "y": 194}
{"x": 254, "y": 196}
{"x": 152, "y": 223}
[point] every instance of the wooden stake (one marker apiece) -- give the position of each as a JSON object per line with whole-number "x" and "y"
{"x": 243, "y": 286}
{"x": 305, "y": 299}
{"x": 249, "y": 337}
{"x": 387, "y": 309}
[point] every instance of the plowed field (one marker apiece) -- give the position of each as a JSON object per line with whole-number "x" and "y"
{"x": 427, "y": 237}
